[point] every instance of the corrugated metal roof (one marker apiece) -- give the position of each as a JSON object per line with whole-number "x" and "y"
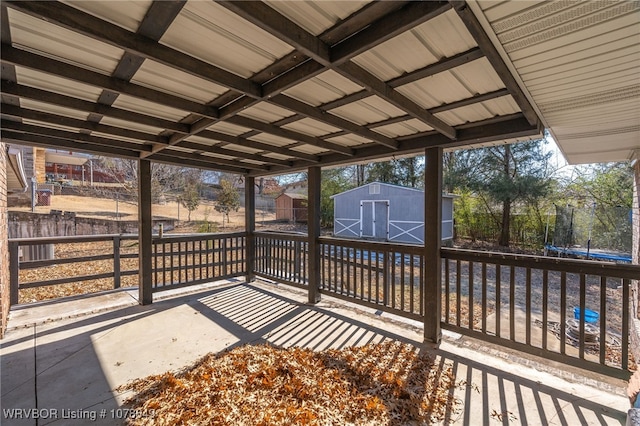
{"x": 579, "y": 63}
{"x": 238, "y": 46}
{"x": 312, "y": 83}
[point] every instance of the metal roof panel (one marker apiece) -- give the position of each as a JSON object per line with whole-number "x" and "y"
{"x": 52, "y": 83}
{"x": 151, "y": 108}
{"x": 170, "y": 80}
{"x": 323, "y": 88}
{"x": 44, "y": 38}
{"x": 441, "y": 37}
{"x": 128, "y": 15}
{"x": 316, "y": 17}
{"x": 223, "y": 38}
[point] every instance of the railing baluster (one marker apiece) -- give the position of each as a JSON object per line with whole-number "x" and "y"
{"x": 626, "y": 284}
{"x": 402, "y": 278}
{"x": 583, "y": 312}
{"x": 563, "y": 312}
{"x": 603, "y": 318}
{"x": 421, "y": 285}
{"x": 14, "y": 273}
{"x": 411, "y": 283}
{"x": 512, "y": 303}
{"x": 447, "y": 308}
{"x": 545, "y": 307}
{"x": 458, "y": 293}
{"x": 391, "y": 278}
{"x": 498, "y": 330}
{"x": 116, "y": 262}
{"x": 484, "y": 297}
{"x": 528, "y": 303}
{"x": 471, "y": 303}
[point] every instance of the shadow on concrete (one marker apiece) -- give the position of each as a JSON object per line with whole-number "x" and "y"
{"x": 76, "y": 364}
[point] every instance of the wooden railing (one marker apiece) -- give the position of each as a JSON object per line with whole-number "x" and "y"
{"x": 180, "y": 261}
{"x": 107, "y": 259}
{"x": 522, "y": 302}
{"x": 107, "y": 250}
{"x": 571, "y": 311}
{"x": 282, "y": 257}
{"x": 540, "y": 305}
{"x": 385, "y": 276}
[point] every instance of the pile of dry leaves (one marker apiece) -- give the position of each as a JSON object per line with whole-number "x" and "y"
{"x": 388, "y": 383}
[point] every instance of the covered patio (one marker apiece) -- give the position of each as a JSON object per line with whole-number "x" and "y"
{"x": 266, "y": 88}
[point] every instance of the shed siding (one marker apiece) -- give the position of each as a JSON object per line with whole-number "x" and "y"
{"x": 355, "y": 210}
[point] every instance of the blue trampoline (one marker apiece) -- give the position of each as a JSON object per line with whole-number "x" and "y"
{"x": 589, "y": 254}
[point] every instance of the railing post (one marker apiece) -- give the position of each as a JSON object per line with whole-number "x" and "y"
{"x": 314, "y": 233}
{"x": 432, "y": 296}
{"x": 14, "y": 269}
{"x": 250, "y": 226}
{"x": 116, "y": 262}
{"x": 145, "y": 224}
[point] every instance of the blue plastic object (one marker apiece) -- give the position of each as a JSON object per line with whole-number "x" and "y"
{"x": 590, "y": 316}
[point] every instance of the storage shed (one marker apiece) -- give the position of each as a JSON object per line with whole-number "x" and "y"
{"x": 291, "y": 207}
{"x": 386, "y": 212}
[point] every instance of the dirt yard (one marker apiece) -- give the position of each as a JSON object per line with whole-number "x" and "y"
{"x": 112, "y": 209}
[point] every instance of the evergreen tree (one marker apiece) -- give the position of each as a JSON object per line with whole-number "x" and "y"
{"x": 502, "y": 175}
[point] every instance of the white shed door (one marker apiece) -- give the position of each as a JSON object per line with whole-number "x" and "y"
{"x": 374, "y": 219}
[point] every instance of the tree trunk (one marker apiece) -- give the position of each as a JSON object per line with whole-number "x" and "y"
{"x": 506, "y": 223}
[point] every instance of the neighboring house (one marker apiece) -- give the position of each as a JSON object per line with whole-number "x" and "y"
{"x": 291, "y": 207}
{"x": 386, "y": 212}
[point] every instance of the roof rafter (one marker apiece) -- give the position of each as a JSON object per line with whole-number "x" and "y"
{"x": 477, "y": 32}
{"x": 270, "y": 20}
{"x": 53, "y": 98}
{"x": 96, "y": 28}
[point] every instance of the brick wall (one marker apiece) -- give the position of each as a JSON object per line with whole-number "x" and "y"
{"x": 39, "y": 164}
{"x": 4, "y": 253}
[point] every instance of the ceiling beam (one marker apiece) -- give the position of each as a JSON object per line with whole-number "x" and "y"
{"x": 484, "y": 42}
{"x": 289, "y": 134}
{"x": 386, "y": 28}
{"x": 19, "y": 138}
{"x": 55, "y": 119}
{"x": 46, "y": 65}
{"x": 52, "y": 98}
{"x": 211, "y": 162}
{"x": 98, "y": 29}
{"x": 201, "y": 164}
{"x": 242, "y": 141}
{"x": 444, "y": 64}
{"x": 65, "y": 134}
{"x": 271, "y": 21}
{"x": 386, "y": 92}
{"x": 316, "y": 113}
{"x": 213, "y": 149}
{"x": 474, "y": 133}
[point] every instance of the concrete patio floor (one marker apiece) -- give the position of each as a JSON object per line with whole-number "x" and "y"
{"x": 71, "y": 355}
